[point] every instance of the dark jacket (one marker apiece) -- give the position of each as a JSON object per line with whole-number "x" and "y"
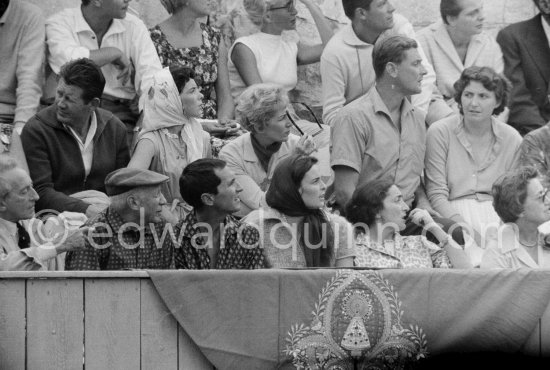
{"x": 526, "y": 63}
{"x": 55, "y": 161}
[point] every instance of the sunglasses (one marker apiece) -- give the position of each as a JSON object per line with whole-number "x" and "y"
{"x": 288, "y": 6}
{"x": 298, "y": 127}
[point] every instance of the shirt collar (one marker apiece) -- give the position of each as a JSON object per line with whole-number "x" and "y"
{"x": 380, "y": 107}
{"x": 231, "y": 226}
{"x": 350, "y": 37}
{"x": 115, "y": 221}
{"x": 7, "y": 12}
{"x": 91, "y": 131}
{"x": 82, "y": 26}
{"x": 9, "y": 226}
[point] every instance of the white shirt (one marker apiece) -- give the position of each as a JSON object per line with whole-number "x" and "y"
{"x": 276, "y": 60}
{"x": 12, "y": 258}
{"x": 546, "y": 28}
{"x": 87, "y": 147}
{"x": 69, "y": 37}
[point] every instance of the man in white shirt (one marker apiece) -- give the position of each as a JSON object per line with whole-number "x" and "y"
{"x": 22, "y": 246}
{"x": 118, "y": 42}
{"x": 346, "y": 62}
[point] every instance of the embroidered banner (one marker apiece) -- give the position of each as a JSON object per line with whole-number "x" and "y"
{"x": 344, "y": 318}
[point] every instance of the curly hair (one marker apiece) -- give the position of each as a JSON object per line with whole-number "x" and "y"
{"x": 510, "y": 192}
{"x": 490, "y": 80}
{"x": 258, "y": 104}
{"x": 367, "y": 201}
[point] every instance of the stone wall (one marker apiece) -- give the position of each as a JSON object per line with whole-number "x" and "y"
{"x": 498, "y": 13}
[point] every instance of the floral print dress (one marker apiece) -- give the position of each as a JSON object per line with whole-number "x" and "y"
{"x": 203, "y": 60}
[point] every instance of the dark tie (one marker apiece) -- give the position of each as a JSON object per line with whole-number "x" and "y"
{"x": 24, "y": 237}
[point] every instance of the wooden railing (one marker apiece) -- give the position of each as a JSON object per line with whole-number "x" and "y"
{"x": 107, "y": 320}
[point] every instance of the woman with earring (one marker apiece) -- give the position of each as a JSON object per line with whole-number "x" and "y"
{"x": 465, "y": 154}
{"x": 377, "y": 212}
{"x": 295, "y": 229}
{"x": 523, "y": 205}
{"x": 458, "y": 42}
{"x": 184, "y": 40}
{"x": 171, "y": 137}
{"x": 269, "y": 57}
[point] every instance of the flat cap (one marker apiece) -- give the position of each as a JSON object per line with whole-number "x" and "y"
{"x": 126, "y": 179}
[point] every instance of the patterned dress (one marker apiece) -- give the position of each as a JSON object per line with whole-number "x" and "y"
{"x": 203, "y": 60}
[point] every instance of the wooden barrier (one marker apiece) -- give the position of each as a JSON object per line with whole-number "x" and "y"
{"x": 105, "y": 320}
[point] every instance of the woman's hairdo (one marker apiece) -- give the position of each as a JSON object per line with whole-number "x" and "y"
{"x": 510, "y": 192}
{"x": 367, "y": 201}
{"x": 258, "y": 104}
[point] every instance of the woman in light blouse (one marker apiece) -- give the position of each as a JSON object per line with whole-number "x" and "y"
{"x": 466, "y": 153}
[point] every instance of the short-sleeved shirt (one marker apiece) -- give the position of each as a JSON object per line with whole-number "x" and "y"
{"x": 365, "y": 138}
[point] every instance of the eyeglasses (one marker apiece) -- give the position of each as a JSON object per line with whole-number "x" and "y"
{"x": 288, "y": 6}
{"x": 544, "y": 196}
{"x": 298, "y": 127}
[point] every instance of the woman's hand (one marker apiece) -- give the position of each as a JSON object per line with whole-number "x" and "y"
{"x": 231, "y": 125}
{"x": 421, "y": 217}
{"x": 305, "y": 145}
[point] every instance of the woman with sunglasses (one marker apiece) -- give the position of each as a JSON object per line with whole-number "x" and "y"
{"x": 267, "y": 56}
{"x": 522, "y": 203}
{"x": 262, "y": 110}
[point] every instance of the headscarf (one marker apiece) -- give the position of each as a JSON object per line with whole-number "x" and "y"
{"x": 170, "y": 5}
{"x": 163, "y": 108}
{"x": 283, "y": 195}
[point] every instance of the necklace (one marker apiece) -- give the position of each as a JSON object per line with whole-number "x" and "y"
{"x": 528, "y": 245}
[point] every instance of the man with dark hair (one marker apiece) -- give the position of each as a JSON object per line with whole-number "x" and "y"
{"x": 72, "y": 145}
{"x": 346, "y": 62}
{"x": 118, "y": 42}
{"x": 210, "y": 237}
{"x": 526, "y": 50}
{"x": 21, "y": 58}
{"x": 22, "y": 244}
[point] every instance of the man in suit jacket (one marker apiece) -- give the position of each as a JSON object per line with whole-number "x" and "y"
{"x": 526, "y": 54}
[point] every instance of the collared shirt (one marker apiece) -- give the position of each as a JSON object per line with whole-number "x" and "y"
{"x": 21, "y": 59}
{"x": 546, "y": 28}
{"x": 118, "y": 245}
{"x": 86, "y": 147}
{"x": 69, "y": 37}
{"x": 249, "y": 173}
{"x": 347, "y": 72}
{"x": 451, "y": 170}
{"x": 239, "y": 246}
{"x": 505, "y": 251}
{"x": 365, "y": 138}
{"x": 413, "y": 251}
{"x": 36, "y": 257}
{"x": 280, "y": 238}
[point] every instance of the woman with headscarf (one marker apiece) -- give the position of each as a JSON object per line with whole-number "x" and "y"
{"x": 295, "y": 230}
{"x": 170, "y": 136}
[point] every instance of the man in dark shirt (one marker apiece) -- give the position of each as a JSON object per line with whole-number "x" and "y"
{"x": 210, "y": 237}
{"x": 130, "y": 233}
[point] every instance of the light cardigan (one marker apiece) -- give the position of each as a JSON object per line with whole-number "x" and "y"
{"x": 483, "y": 50}
{"x": 450, "y": 170}
{"x": 243, "y": 161}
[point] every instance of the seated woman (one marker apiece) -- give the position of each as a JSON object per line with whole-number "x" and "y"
{"x": 183, "y": 40}
{"x": 465, "y": 154}
{"x": 171, "y": 137}
{"x": 523, "y": 205}
{"x": 377, "y": 211}
{"x": 457, "y": 42}
{"x": 254, "y": 155}
{"x": 267, "y": 56}
{"x": 295, "y": 229}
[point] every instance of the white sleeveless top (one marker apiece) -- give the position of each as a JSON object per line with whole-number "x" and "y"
{"x": 276, "y": 58}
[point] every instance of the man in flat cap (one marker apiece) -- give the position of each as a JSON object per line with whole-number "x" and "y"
{"x": 210, "y": 237}
{"x": 129, "y": 233}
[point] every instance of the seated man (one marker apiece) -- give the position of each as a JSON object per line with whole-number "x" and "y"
{"x": 21, "y": 57}
{"x": 22, "y": 246}
{"x": 130, "y": 233}
{"x": 346, "y": 62}
{"x": 72, "y": 145}
{"x": 118, "y": 42}
{"x": 210, "y": 237}
{"x": 381, "y": 134}
{"x": 526, "y": 54}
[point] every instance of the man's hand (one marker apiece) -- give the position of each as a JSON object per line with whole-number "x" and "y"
{"x": 75, "y": 240}
{"x": 126, "y": 67}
